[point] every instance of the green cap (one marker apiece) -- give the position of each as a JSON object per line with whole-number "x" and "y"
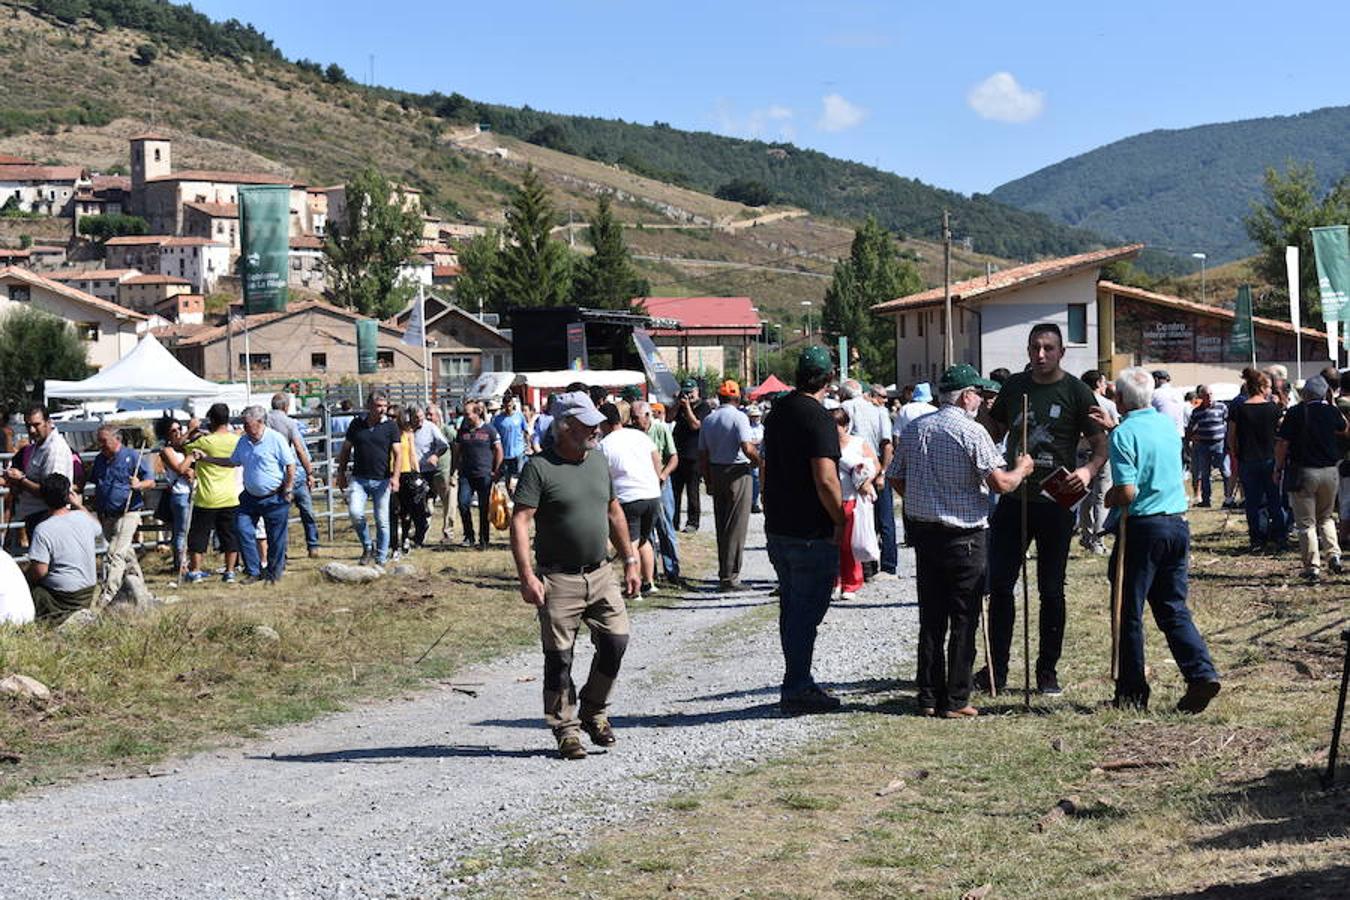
{"x": 688, "y": 384}
{"x": 958, "y": 378}
{"x": 630, "y": 393}
{"x": 814, "y": 360}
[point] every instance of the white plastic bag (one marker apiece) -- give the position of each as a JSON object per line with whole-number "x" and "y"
{"x": 866, "y": 547}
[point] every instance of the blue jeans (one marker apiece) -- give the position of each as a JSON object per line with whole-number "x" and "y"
{"x": 377, "y": 489}
{"x": 469, "y": 485}
{"x": 1203, "y": 457}
{"x": 304, "y": 502}
{"x": 884, "y": 509}
{"x": 275, "y": 513}
{"x": 1156, "y": 550}
{"x": 666, "y": 540}
{"x": 1266, "y": 519}
{"x": 180, "y": 504}
{"x": 806, "y": 569}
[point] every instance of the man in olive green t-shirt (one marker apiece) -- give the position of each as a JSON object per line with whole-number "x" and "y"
{"x": 566, "y": 492}
{"x": 1058, "y": 413}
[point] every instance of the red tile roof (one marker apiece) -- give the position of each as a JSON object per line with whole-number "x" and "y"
{"x": 111, "y": 182}
{"x": 156, "y": 279}
{"x": 7, "y": 160}
{"x": 222, "y": 177}
{"x": 190, "y": 242}
{"x": 93, "y": 275}
{"x": 306, "y": 242}
{"x": 7, "y": 253}
{"x": 733, "y": 315}
{"x": 213, "y": 333}
{"x": 1008, "y": 279}
{"x": 149, "y": 136}
{"x": 1219, "y": 312}
{"x": 132, "y": 240}
{"x": 40, "y": 173}
{"x": 447, "y": 271}
{"x": 56, "y": 287}
{"x": 216, "y": 210}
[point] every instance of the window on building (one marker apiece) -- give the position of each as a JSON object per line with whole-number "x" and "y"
{"x": 901, "y": 320}
{"x": 384, "y": 359}
{"x": 918, "y": 321}
{"x": 318, "y": 362}
{"x": 295, "y": 264}
{"x": 20, "y": 293}
{"x": 454, "y": 365}
{"x": 88, "y": 331}
{"x": 942, "y": 323}
{"x": 1077, "y": 332}
{"x": 259, "y": 362}
{"x": 156, "y": 154}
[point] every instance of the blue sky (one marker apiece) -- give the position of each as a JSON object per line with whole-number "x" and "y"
{"x": 965, "y": 95}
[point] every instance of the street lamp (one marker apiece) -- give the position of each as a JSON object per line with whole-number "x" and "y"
{"x": 807, "y": 304}
{"x": 1202, "y": 257}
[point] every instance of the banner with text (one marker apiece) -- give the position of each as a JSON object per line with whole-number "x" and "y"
{"x": 367, "y": 346}
{"x": 1241, "y": 343}
{"x": 265, "y": 229}
{"x": 576, "y": 346}
{"x": 664, "y": 386}
{"x": 1331, "y": 246}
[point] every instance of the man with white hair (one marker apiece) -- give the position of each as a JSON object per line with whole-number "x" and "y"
{"x": 1146, "y": 468}
{"x": 119, "y": 474}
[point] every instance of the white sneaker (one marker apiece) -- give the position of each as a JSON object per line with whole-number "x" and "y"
{"x": 848, "y": 595}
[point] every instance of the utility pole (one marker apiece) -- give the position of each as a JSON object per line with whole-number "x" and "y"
{"x": 950, "y": 358}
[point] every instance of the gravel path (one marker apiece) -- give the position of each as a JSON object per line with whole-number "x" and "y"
{"x": 388, "y": 800}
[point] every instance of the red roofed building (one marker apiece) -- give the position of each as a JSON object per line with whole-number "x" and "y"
{"x": 47, "y": 190}
{"x": 716, "y": 333}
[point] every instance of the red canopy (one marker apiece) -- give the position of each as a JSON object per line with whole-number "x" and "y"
{"x": 771, "y": 385}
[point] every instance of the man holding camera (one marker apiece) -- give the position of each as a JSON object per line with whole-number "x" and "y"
{"x": 690, "y": 411}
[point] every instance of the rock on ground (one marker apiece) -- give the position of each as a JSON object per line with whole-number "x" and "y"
{"x": 25, "y": 688}
{"x": 348, "y": 574}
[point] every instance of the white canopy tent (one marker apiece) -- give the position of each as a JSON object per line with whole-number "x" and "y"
{"x": 148, "y": 372}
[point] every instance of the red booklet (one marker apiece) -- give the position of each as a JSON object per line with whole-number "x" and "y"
{"x": 1056, "y": 486}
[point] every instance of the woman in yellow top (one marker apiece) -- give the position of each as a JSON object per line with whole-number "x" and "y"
{"x": 408, "y": 511}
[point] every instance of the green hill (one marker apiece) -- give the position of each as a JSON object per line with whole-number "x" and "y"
{"x": 1184, "y": 190}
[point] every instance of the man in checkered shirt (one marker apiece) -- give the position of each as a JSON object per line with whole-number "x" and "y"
{"x": 946, "y": 466}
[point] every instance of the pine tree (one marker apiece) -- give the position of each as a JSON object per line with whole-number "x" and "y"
{"x": 364, "y": 255}
{"x": 533, "y": 269}
{"x": 607, "y": 280}
{"x": 873, "y": 273}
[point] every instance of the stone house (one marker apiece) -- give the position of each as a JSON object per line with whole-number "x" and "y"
{"x": 144, "y": 293}
{"x": 46, "y": 190}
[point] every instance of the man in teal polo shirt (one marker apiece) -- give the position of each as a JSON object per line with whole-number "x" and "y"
{"x": 1146, "y": 469}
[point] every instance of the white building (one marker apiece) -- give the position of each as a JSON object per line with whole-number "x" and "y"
{"x": 102, "y": 283}
{"x": 199, "y": 260}
{"x": 992, "y": 316}
{"x": 109, "y": 329}
{"x": 46, "y": 190}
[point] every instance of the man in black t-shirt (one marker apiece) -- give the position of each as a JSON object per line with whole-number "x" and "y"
{"x": 688, "y": 416}
{"x": 477, "y": 458}
{"x": 372, "y": 443}
{"x": 803, "y": 519}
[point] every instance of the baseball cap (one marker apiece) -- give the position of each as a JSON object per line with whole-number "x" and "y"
{"x": 1161, "y": 375}
{"x": 960, "y": 377}
{"x": 1315, "y": 388}
{"x": 753, "y": 411}
{"x": 688, "y": 384}
{"x": 729, "y": 388}
{"x": 577, "y": 404}
{"x": 923, "y": 392}
{"x": 814, "y": 360}
{"x": 630, "y": 393}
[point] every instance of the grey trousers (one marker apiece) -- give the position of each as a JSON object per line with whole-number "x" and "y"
{"x": 122, "y": 569}
{"x": 730, "y": 489}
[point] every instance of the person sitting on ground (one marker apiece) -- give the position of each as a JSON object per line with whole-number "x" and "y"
{"x": 62, "y": 567}
{"x": 634, "y": 468}
{"x": 119, "y": 474}
{"x": 16, "y": 600}
{"x": 1146, "y": 470}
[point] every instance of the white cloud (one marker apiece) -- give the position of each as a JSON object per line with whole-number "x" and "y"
{"x": 770, "y": 122}
{"x": 837, "y": 114}
{"x": 1000, "y": 98}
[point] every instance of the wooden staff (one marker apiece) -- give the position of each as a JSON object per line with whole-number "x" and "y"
{"x": 988, "y": 657}
{"x": 1118, "y": 600}
{"x": 1026, "y": 602}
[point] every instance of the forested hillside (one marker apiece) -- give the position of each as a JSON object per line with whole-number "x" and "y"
{"x": 1186, "y": 190}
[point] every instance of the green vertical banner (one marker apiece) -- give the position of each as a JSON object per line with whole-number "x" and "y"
{"x": 367, "y": 346}
{"x": 1331, "y": 246}
{"x": 843, "y": 357}
{"x": 1241, "y": 343}
{"x": 265, "y": 229}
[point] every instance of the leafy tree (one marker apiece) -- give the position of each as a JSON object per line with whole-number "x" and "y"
{"x": 607, "y": 279}
{"x": 553, "y": 136}
{"x": 1291, "y": 207}
{"x": 145, "y": 54}
{"x": 476, "y": 287}
{"x": 35, "y": 346}
{"x": 104, "y": 226}
{"x": 335, "y": 74}
{"x": 747, "y": 191}
{"x": 873, "y": 273}
{"x": 533, "y": 269}
{"x": 365, "y": 253}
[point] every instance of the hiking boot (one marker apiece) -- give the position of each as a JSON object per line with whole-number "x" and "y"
{"x": 367, "y": 557}
{"x": 599, "y": 730}
{"x": 813, "y": 700}
{"x": 1047, "y": 684}
{"x": 569, "y": 746}
{"x": 1197, "y": 696}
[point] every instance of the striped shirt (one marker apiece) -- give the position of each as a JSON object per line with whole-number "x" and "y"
{"x": 1209, "y": 423}
{"x": 943, "y": 460}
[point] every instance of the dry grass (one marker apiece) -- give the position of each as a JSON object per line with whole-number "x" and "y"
{"x": 133, "y": 689}
{"x": 1226, "y": 803}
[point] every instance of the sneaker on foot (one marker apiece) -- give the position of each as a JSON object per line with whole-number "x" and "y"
{"x": 599, "y": 730}
{"x": 569, "y": 746}
{"x": 228, "y": 577}
{"x": 648, "y": 588}
{"x": 1312, "y": 576}
{"x": 1197, "y": 696}
{"x": 848, "y": 595}
{"x": 1048, "y": 684}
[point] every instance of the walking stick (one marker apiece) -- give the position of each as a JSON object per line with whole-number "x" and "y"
{"x": 1117, "y": 601}
{"x": 1330, "y": 777}
{"x": 988, "y": 657}
{"x": 1026, "y": 602}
